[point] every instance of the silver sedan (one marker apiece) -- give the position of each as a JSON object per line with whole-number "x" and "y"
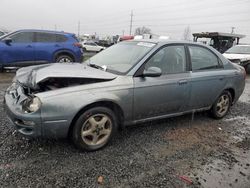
{"x": 128, "y": 83}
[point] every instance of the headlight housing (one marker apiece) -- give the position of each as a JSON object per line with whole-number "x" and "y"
{"x": 31, "y": 105}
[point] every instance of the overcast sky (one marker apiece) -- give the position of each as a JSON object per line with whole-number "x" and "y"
{"x": 163, "y": 17}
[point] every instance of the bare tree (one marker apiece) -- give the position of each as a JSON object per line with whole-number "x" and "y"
{"x": 187, "y": 33}
{"x": 142, "y": 30}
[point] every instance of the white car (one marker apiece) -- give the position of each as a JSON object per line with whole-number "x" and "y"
{"x": 91, "y": 46}
{"x": 239, "y": 54}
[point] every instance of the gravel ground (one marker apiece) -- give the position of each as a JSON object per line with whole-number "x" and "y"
{"x": 205, "y": 152}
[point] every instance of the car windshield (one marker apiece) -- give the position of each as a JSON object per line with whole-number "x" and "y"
{"x": 7, "y": 35}
{"x": 3, "y": 36}
{"x": 239, "y": 50}
{"x": 121, "y": 57}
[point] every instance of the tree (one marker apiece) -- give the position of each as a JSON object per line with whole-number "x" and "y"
{"x": 142, "y": 30}
{"x": 187, "y": 33}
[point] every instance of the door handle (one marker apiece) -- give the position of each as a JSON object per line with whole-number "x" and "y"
{"x": 28, "y": 46}
{"x": 182, "y": 82}
{"x": 236, "y": 73}
{"x": 57, "y": 45}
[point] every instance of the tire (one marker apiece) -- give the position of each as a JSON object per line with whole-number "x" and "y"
{"x": 84, "y": 49}
{"x": 248, "y": 69}
{"x": 222, "y": 105}
{"x": 1, "y": 68}
{"x": 94, "y": 129}
{"x": 64, "y": 59}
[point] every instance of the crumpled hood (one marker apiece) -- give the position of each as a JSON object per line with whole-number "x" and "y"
{"x": 31, "y": 76}
{"x": 241, "y": 57}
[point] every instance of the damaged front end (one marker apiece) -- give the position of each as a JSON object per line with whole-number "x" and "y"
{"x": 22, "y": 102}
{"x": 43, "y": 78}
{"x": 56, "y": 83}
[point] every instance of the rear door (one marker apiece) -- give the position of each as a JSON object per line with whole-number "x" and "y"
{"x": 208, "y": 76}
{"x": 46, "y": 44}
{"x": 168, "y": 93}
{"x": 21, "y": 50}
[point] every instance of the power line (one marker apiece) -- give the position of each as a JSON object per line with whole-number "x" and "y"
{"x": 196, "y": 6}
{"x": 191, "y": 17}
{"x": 201, "y": 23}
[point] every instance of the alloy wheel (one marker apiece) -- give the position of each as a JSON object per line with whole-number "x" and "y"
{"x": 96, "y": 129}
{"x": 223, "y": 105}
{"x": 64, "y": 60}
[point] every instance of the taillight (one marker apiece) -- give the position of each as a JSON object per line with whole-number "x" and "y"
{"x": 77, "y": 44}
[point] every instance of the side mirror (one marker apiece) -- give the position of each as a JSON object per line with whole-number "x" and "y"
{"x": 152, "y": 72}
{"x": 7, "y": 40}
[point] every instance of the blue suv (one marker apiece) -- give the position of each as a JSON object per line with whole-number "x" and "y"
{"x": 29, "y": 47}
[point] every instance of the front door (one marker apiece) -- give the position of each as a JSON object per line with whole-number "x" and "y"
{"x": 21, "y": 50}
{"x": 168, "y": 93}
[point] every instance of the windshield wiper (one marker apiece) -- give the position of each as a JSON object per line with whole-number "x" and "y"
{"x": 104, "y": 67}
{"x": 95, "y": 66}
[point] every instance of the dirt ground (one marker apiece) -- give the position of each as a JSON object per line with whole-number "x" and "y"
{"x": 187, "y": 151}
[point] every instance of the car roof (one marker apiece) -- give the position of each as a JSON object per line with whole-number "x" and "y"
{"x": 243, "y": 45}
{"x": 166, "y": 41}
{"x": 217, "y": 34}
{"x": 45, "y": 31}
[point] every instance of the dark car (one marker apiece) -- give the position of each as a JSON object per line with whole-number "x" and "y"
{"x": 128, "y": 83}
{"x": 28, "y": 47}
{"x": 220, "y": 41}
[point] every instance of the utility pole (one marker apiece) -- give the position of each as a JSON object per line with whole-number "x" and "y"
{"x": 123, "y": 32}
{"x": 232, "y": 31}
{"x": 131, "y": 22}
{"x": 55, "y": 27}
{"x": 79, "y": 28}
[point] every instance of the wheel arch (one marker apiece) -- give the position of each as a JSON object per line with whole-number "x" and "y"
{"x": 64, "y": 52}
{"x": 232, "y": 92}
{"x": 108, "y": 104}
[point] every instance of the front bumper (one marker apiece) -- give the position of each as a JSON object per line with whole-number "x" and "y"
{"x": 32, "y": 124}
{"x": 28, "y": 124}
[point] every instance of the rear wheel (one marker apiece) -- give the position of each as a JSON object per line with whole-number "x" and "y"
{"x": 222, "y": 105}
{"x": 248, "y": 69}
{"x": 94, "y": 128}
{"x": 64, "y": 59}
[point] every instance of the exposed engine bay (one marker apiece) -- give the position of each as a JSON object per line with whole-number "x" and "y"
{"x": 57, "y": 83}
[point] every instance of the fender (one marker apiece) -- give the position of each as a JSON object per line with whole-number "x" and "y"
{"x": 63, "y": 51}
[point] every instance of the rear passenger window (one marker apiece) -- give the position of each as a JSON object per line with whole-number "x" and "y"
{"x": 50, "y": 37}
{"x": 203, "y": 59}
{"x": 60, "y": 38}
{"x": 45, "y": 37}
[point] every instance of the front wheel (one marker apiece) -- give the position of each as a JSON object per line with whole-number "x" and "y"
{"x": 222, "y": 105}
{"x": 94, "y": 128}
{"x": 64, "y": 59}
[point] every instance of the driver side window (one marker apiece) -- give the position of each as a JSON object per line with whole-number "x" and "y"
{"x": 170, "y": 60}
{"x": 22, "y": 37}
